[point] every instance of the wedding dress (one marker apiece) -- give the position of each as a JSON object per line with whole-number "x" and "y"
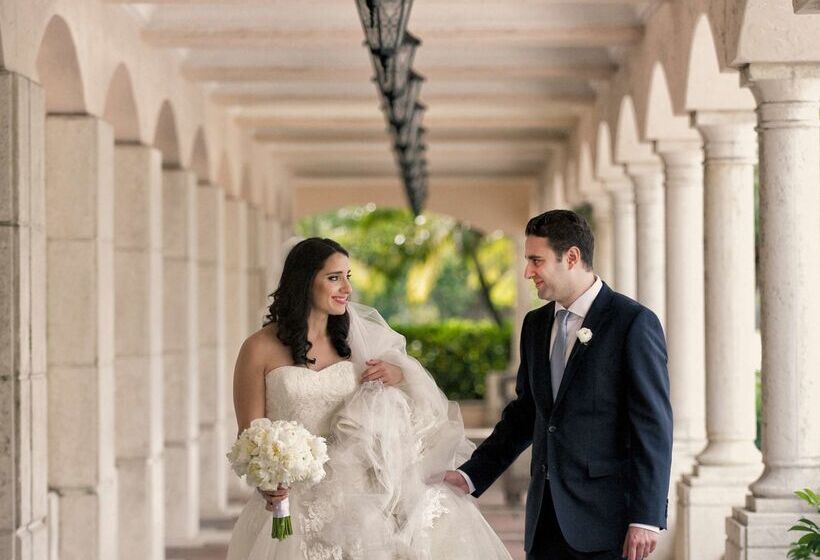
{"x": 378, "y": 501}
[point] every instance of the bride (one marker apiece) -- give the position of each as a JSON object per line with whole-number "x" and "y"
{"x": 338, "y": 369}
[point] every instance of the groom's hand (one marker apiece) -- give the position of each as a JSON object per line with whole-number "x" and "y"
{"x": 639, "y": 543}
{"x": 454, "y": 478}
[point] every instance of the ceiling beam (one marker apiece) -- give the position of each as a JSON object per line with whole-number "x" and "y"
{"x": 365, "y": 72}
{"x": 471, "y": 122}
{"x": 329, "y": 149}
{"x": 259, "y": 100}
{"x": 431, "y": 2}
{"x": 433, "y": 136}
{"x": 245, "y": 37}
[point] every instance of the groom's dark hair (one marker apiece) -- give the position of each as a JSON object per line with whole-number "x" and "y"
{"x": 564, "y": 229}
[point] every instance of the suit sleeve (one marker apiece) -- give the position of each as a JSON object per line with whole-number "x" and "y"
{"x": 650, "y": 420}
{"x": 512, "y": 434}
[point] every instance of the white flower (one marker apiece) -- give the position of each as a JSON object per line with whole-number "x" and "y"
{"x": 584, "y": 336}
{"x": 272, "y": 453}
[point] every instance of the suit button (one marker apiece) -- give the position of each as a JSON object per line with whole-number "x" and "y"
{"x": 552, "y": 429}
{"x": 544, "y": 468}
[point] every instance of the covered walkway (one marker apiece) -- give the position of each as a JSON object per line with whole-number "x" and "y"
{"x": 154, "y": 154}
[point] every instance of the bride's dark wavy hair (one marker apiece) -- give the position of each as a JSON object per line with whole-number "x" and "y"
{"x": 291, "y": 300}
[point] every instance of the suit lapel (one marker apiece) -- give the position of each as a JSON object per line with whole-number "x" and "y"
{"x": 594, "y": 318}
{"x": 540, "y": 381}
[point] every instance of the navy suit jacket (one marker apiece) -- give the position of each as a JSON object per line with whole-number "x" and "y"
{"x": 606, "y": 441}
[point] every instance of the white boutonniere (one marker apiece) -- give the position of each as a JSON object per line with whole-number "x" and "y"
{"x": 584, "y": 336}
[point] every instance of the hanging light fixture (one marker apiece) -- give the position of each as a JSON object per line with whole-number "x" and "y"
{"x": 407, "y": 132}
{"x": 392, "y": 51}
{"x": 384, "y": 23}
{"x": 415, "y": 149}
{"x": 398, "y": 108}
{"x": 393, "y": 72}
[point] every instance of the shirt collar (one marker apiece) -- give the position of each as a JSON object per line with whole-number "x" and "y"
{"x": 580, "y": 306}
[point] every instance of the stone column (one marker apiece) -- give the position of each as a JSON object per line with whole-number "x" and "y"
{"x": 257, "y": 246}
{"x": 138, "y": 349}
{"x": 80, "y": 281}
{"x": 730, "y": 461}
{"x": 236, "y": 315}
{"x": 181, "y": 356}
{"x": 650, "y": 236}
{"x": 603, "y": 258}
{"x": 213, "y": 382}
{"x": 624, "y": 244}
{"x": 523, "y": 300}
{"x": 273, "y": 255}
{"x": 683, "y": 166}
{"x": 788, "y": 100}
{"x": 23, "y": 393}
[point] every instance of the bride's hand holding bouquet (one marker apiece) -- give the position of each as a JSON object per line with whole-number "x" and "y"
{"x": 273, "y": 456}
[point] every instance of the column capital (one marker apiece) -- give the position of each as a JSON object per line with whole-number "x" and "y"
{"x": 643, "y": 169}
{"x": 788, "y": 95}
{"x": 680, "y": 152}
{"x": 728, "y": 135}
{"x": 783, "y": 82}
{"x": 617, "y": 183}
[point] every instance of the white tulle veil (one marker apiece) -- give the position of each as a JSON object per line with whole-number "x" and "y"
{"x": 390, "y": 444}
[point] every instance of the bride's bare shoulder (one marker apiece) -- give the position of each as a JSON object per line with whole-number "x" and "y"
{"x": 264, "y": 350}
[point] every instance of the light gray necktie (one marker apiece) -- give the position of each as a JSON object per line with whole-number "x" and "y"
{"x": 559, "y": 351}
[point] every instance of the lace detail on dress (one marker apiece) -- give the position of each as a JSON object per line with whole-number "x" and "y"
{"x": 309, "y": 397}
{"x": 435, "y": 508}
{"x": 320, "y": 551}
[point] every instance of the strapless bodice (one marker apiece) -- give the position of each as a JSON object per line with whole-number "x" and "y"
{"x": 309, "y": 397}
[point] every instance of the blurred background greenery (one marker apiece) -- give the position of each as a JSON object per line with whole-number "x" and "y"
{"x": 449, "y": 288}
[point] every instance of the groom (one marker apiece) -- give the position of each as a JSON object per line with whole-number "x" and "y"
{"x": 592, "y": 399}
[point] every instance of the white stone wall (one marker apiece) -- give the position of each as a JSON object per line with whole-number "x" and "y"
{"x": 81, "y": 381}
{"x": 181, "y": 355}
{"x": 213, "y": 381}
{"x": 23, "y": 355}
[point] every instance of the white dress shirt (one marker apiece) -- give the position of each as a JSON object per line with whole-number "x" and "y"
{"x": 577, "y": 312}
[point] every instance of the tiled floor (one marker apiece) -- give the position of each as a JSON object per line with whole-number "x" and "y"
{"x": 508, "y": 522}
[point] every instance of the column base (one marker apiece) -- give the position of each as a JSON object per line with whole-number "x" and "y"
{"x": 213, "y": 471}
{"x": 705, "y": 499}
{"x": 760, "y": 531}
{"x": 141, "y": 511}
{"x": 86, "y": 522}
{"x": 181, "y": 493}
{"x": 683, "y": 461}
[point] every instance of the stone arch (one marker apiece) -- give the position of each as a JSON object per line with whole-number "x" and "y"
{"x": 58, "y": 70}
{"x": 121, "y": 106}
{"x": 586, "y": 171}
{"x": 200, "y": 160}
{"x": 707, "y": 88}
{"x": 604, "y": 165}
{"x": 661, "y": 122}
{"x": 628, "y": 146}
{"x": 166, "y": 138}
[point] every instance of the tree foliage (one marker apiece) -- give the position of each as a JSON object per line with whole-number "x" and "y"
{"x": 424, "y": 269}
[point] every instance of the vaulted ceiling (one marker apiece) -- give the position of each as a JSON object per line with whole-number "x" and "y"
{"x": 506, "y": 80}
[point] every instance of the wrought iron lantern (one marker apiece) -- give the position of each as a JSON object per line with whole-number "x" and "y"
{"x": 393, "y": 72}
{"x": 384, "y": 23}
{"x": 407, "y": 154}
{"x": 398, "y": 108}
{"x": 414, "y": 170}
{"x": 416, "y": 190}
{"x": 407, "y": 133}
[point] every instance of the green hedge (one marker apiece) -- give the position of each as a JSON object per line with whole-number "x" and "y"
{"x": 460, "y": 353}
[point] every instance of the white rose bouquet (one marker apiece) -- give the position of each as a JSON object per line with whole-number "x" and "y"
{"x": 269, "y": 454}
